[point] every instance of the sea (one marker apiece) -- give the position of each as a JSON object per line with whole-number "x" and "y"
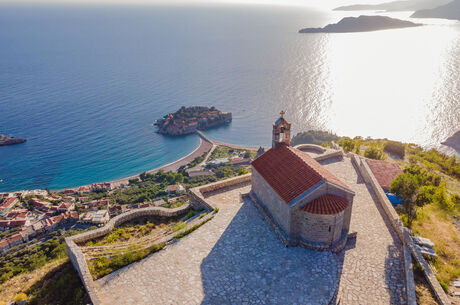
{"x": 85, "y": 83}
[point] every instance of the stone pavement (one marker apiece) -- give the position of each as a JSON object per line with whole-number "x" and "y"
{"x": 372, "y": 270}
{"x": 233, "y": 259}
{"x": 236, "y": 259}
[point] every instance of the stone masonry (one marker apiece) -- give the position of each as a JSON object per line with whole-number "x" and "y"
{"x": 236, "y": 258}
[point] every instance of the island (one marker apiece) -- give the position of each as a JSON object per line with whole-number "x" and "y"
{"x": 395, "y": 6}
{"x": 189, "y": 120}
{"x": 453, "y": 141}
{"x": 4, "y": 140}
{"x": 362, "y": 24}
{"x": 448, "y": 11}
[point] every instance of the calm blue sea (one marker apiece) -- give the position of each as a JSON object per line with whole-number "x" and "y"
{"x": 85, "y": 83}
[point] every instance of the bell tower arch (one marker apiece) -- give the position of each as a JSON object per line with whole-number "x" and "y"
{"x": 281, "y": 131}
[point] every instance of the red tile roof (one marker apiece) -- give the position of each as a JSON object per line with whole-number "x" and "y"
{"x": 291, "y": 172}
{"x": 326, "y": 205}
{"x": 384, "y": 172}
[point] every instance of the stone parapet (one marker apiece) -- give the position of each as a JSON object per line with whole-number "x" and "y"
{"x": 77, "y": 257}
{"x": 403, "y": 234}
{"x": 197, "y": 199}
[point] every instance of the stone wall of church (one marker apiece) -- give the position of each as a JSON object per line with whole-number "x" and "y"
{"x": 271, "y": 201}
{"x": 315, "y": 228}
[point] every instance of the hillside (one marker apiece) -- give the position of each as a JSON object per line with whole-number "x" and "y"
{"x": 394, "y": 6}
{"x": 448, "y": 11}
{"x": 362, "y": 24}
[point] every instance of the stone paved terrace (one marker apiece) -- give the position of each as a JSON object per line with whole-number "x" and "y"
{"x": 236, "y": 259}
{"x": 233, "y": 259}
{"x": 372, "y": 270}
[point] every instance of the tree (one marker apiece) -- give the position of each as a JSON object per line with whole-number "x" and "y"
{"x": 373, "y": 153}
{"x": 406, "y": 187}
{"x": 347, "y": 144}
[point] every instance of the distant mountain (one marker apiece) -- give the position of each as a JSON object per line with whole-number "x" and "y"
{"x": 362, "y": 24}
{"x": 447, "y": 11}
{"x": 453, "y": 141}
{"x": 408, "y": 5}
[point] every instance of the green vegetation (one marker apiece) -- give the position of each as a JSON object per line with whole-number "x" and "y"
{"x": 102, "y": 266}
{"x": 179, "y": 226}
{"x": 61, "y": 285}
{"x": 130, "y": 230}
{"x": 395, "y": 148}
{"x": 191, "y": 229}
{"x": 226, "y": 170}
{"x": 317, "y": 137}
{"x": 226, "y": 152}
{"x": 373, "y": 153}
{"x": 25, "y": 258}
{"x": 347, "y": 144}
{"x": 434, "y": 160}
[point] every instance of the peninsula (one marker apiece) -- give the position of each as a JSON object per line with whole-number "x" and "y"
{"x": 4, "y": 140}
{"x": 362, "y": 24}
{"x": 448, "y": 11}
{"x": 191, "y": 119}
{"x": 395, "y": 6}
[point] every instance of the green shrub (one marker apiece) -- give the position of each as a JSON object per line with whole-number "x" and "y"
{"x": 395, "y": 148}
{"x": 347, "y": 144}
{"x": 189, "y": 214}
{"x": 373, "y": 153}
{"x": 317, "y": 137}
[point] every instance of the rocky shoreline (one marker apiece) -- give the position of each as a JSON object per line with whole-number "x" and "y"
{"x": 4, "y": 140}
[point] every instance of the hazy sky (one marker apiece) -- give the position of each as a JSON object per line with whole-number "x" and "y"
{"x": 315, "y": 3}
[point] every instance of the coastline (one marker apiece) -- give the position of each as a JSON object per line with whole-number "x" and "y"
{"x": 205, "y": 146}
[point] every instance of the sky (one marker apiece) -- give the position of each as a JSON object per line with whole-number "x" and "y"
{"x": 327, "y": 4}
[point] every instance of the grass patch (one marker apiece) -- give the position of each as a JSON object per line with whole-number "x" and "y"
{"x": 422, "y": 290}
{"x": 103, "y": 265}
{"x": 191, "y": 229}
{"x": 434, "y": 223}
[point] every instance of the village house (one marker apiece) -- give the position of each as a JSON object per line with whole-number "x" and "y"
{"x": 97, "y": 187}
{"x": 96, "y": 217}
{"x": 175, "y": 189}
{"x": 84, "y": 190}
{"x": 310, "y": 205}
{"x": 14, "y": 240}
{"x": 4, "y": 246}
{"x": 40, "y": 205}
{"x": 7, "y": 205}
{"x": 65, "y": 207}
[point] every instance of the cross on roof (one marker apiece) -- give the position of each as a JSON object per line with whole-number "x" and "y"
{"x": 282, "y": 113}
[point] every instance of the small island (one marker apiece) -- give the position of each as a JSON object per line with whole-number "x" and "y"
{"x": 189, "y": 120}
{"x": 362, "y": 24}
{"x": 4, "y": 140}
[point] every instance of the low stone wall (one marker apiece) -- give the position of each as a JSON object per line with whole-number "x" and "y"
{"x": 77, "y": 257}
{"x": 329, "y": 155}
{"x": 313, "y": 147}
{"x": 197, "y": 200}
{"x": 403, "y": 233}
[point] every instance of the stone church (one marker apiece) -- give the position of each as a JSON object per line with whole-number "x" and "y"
{"x": 308, "y": 204}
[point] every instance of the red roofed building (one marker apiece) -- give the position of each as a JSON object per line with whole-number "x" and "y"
{"x": 4, "y": 245}
{"x": 14, "y": 240}
{"x": 384, "y": 172}
{"x": 7, "y": 204}
{"x": 307, "y": 202}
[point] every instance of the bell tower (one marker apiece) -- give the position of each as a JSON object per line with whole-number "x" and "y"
{"x": 281, "y": 132}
